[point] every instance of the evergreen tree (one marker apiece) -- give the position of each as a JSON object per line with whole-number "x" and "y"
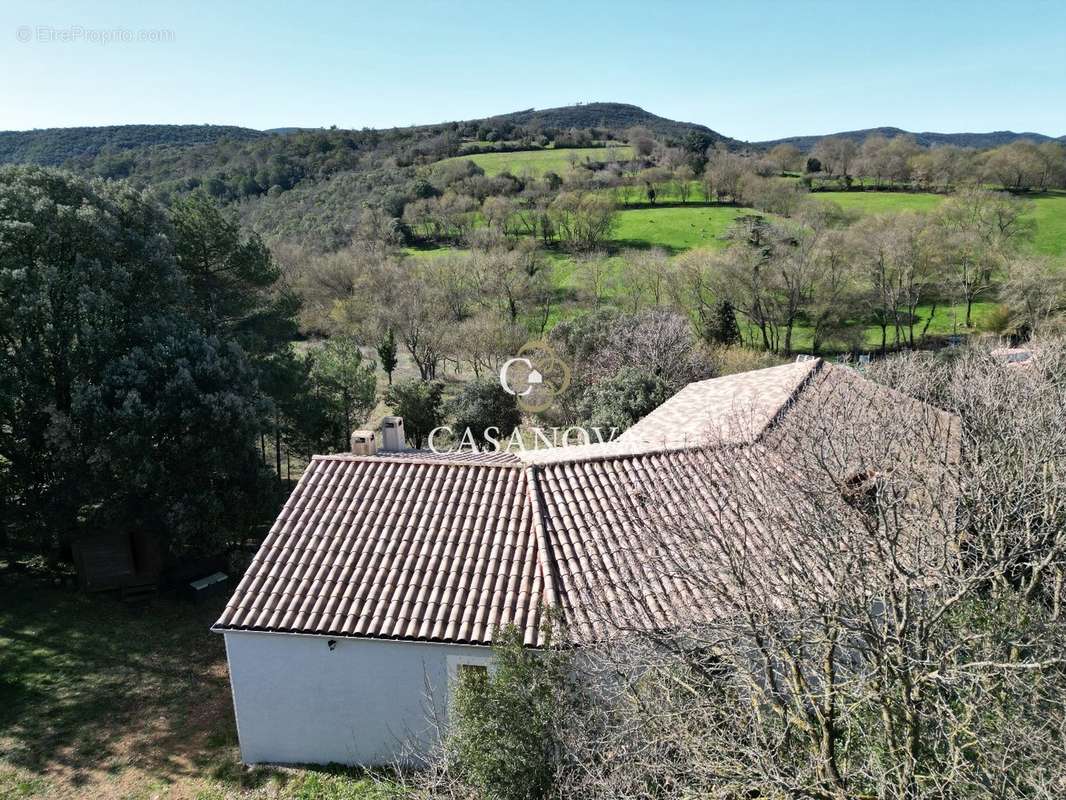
{"x": 119, "y": 407}
{"x": 387, "y": 352}
{"x": 419, "y": 403}
{"x": 348, "y": 384}
{"x": 623, "y": 399}
{"x": 724, "y": 329}
{"x": 482, "y": 405}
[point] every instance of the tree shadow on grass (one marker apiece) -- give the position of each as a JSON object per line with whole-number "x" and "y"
{"x": 88, "y": 685}
{"x": 618, "y": 245}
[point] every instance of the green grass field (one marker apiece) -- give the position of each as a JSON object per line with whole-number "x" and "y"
{"x": 947, "y": 320}
{"x": 1048, "y": 214}
{"x": 680, "y": 228}
{"x": 536, "y": 163}
{"x": 881, "y": 202}
{"x": 102, "y": 701}
{"x": 675, "y": 228}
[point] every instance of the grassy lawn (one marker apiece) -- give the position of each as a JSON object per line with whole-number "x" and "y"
{"x": 675, "y": 228}
{"x": 536, "y": 163}
{"x": 1050, "y": 215}
{"x": 98, "y": 700}
{"x": 881, "y": 202}
{"x": 947, "y": 320}
{"x": 1049, "y": 212}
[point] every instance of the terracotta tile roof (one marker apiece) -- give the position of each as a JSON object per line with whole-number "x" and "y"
{"x": 391, "y": 548}
{"x": 735, "y": 408}
{"x": 611, "y": 522}
{"x": 450, "y": 548}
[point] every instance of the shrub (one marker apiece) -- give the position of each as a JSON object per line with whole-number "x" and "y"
{"x": 504, "y": 738}
{"x": 482, "y": 405}
{"x": 419, "y": 403}
{"x": 623, "y": 399}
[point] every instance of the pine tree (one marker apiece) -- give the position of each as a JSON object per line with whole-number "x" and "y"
{"x": 724, "y": 329}
{"x": 387, "y": 353}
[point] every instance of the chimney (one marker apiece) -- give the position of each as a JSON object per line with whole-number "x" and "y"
{"x": 392, "y": 435}
{"x": 364, "y": 443}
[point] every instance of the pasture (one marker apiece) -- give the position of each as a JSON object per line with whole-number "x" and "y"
{"x": 946, "y": 320}
{"x": 675, "y": 228}
{"x": 865, "y": 203}
{"x": 1048, "y": 212}
{"x": 536, "y": 163}
{"x": 681, "y": 227}
{"x": 581, "y": 281}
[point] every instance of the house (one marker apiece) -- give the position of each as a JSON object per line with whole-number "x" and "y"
{"x": 387, "y": 573}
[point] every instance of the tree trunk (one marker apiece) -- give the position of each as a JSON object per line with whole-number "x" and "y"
{"x": 929, "y": 321}
{"x": 277, "y": 444}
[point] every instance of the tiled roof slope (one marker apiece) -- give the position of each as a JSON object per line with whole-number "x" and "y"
{"x": 735, "y": 408}
{"x": 625, "y": 532}
{"x": 397, "y": 549}
{"x": 448, "y": 548}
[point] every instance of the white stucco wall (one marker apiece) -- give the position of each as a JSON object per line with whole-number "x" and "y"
{"x": 298, "y": 702}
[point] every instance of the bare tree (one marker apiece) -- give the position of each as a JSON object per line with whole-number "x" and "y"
{"x": 644, "y": 278}
{"x": 837, "y": 153}
{"x": 725, "y": 172}
{"x": 683, "y": 178}
{"x": 870, "y": 606}
{"x": 786, "y": 158}
{"x": 981, "y": 229}
{"x": 1034, "y": 291}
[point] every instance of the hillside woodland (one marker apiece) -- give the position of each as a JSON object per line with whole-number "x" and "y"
{"x": 347, "y": 272}
{"x": 188, "y": 313}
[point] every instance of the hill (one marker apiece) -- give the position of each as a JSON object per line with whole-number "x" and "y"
{"x": 926, "y": 138}
{"x": 55, "y": 146}
{"x": 615, "y": 117}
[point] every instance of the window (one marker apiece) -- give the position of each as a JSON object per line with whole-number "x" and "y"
{"x": 472, "y": 667}
{"x": 473, "y": 670}
{"x": 468, "y": 664}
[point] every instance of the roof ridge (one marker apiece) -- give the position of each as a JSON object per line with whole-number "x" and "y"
{"x": 435, "y": 462}
{"x": 546, "y": 554}
{"x": 639, "y": 450}
{"x": 788, "y": 402}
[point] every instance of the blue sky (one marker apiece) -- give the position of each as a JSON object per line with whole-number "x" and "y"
{"x": 752, "y": 70}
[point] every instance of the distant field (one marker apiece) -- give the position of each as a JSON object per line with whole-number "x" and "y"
{"x": 1050, "y": 216}
{"x": 675, "y": 228}
{"x": 1049, "y": 212}
{"x": 538, "y": 162}
{"x": 947, "y": 319}
{"x": 881, "y": 202}
{"x": 680, "y": 228}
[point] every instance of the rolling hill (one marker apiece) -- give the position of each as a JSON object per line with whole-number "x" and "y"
{"x": 926, "y": 138}
{"x": 613, "y": 116}
{"x": 55, "y": 146}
